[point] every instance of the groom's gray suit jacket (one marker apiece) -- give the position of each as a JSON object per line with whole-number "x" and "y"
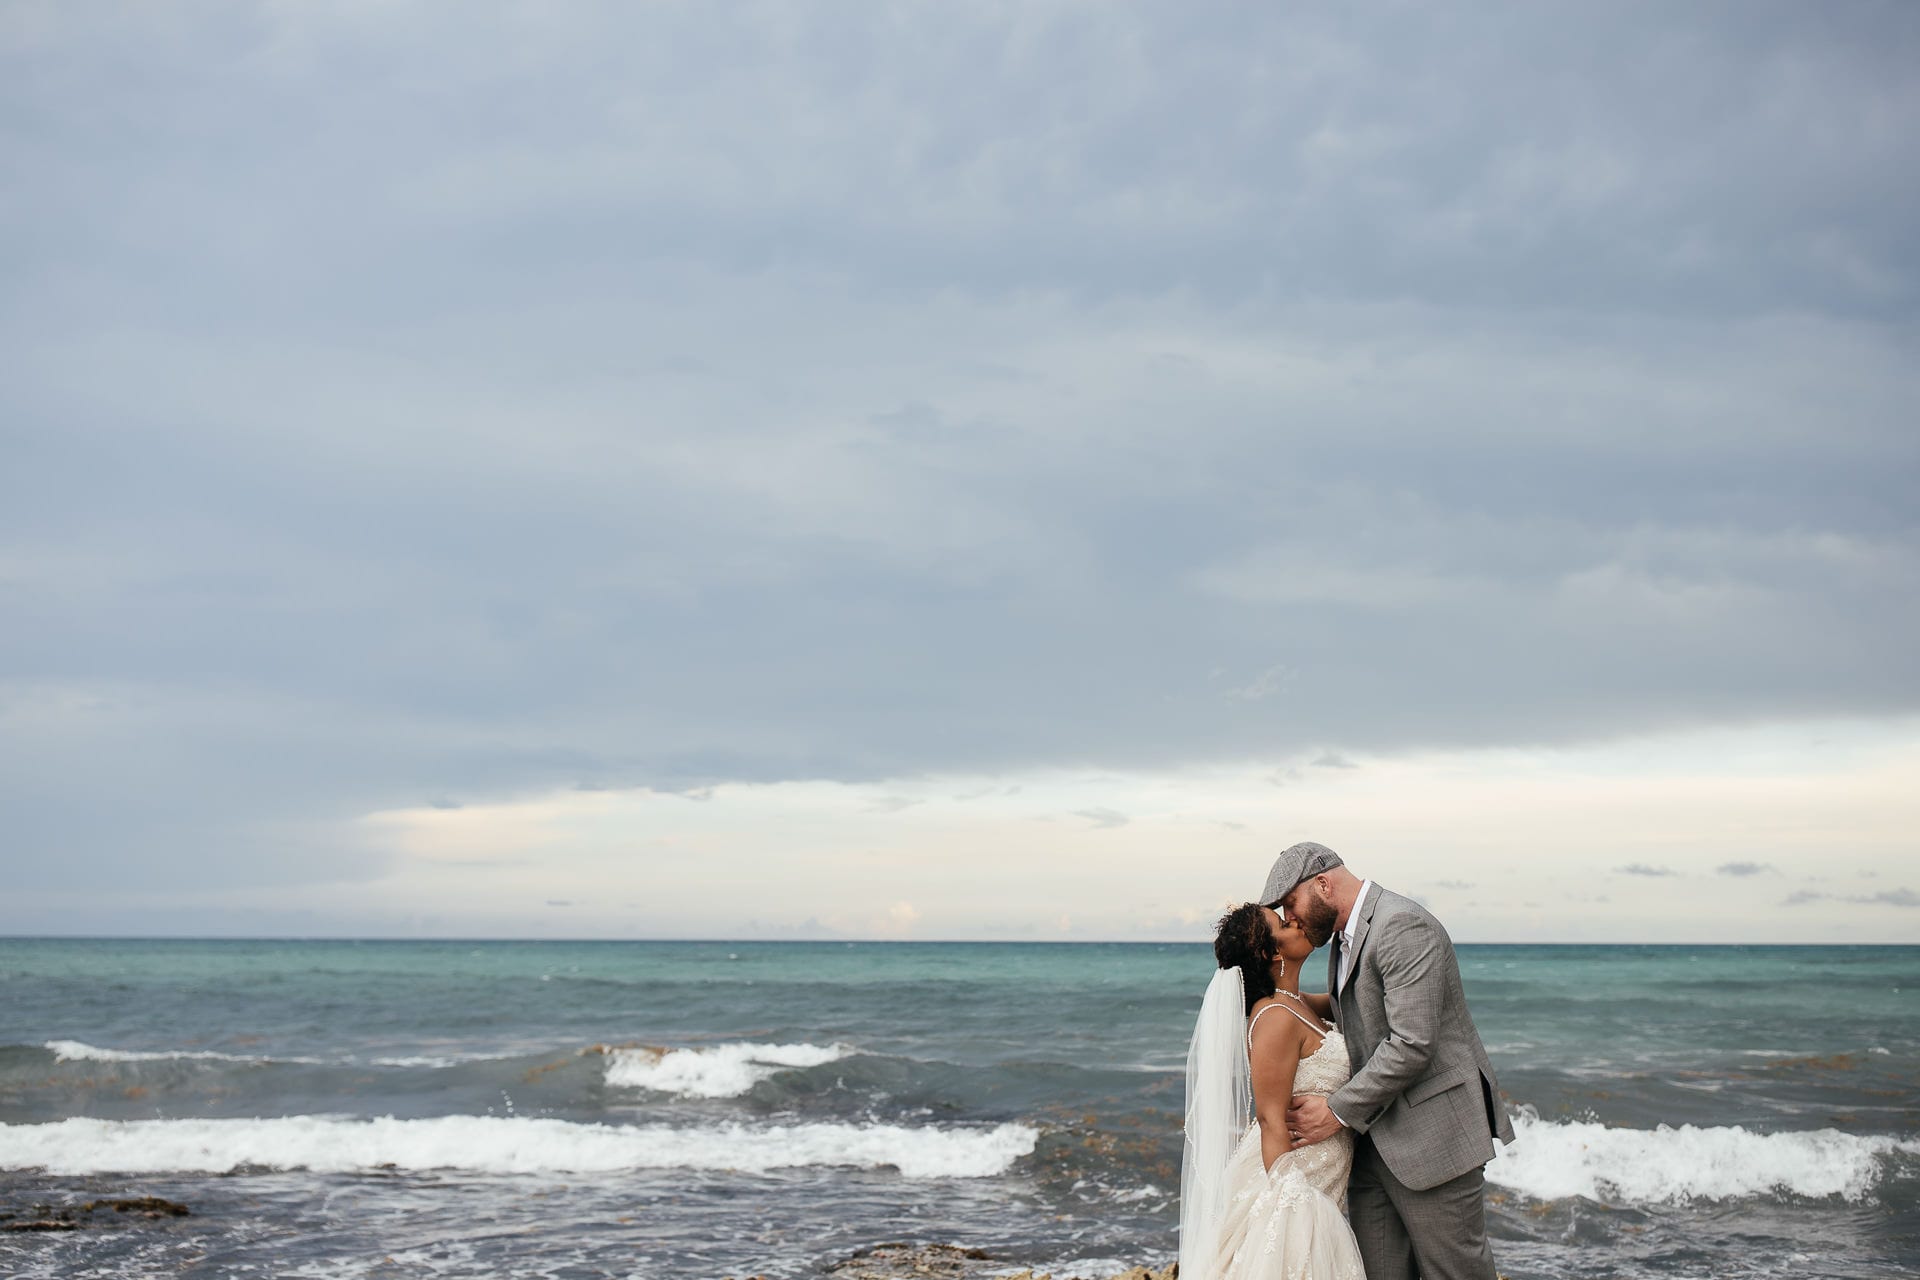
{"x": 1422, "y": 1087}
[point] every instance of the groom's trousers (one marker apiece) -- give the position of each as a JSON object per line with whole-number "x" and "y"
{"x": 1436, "y": 1234}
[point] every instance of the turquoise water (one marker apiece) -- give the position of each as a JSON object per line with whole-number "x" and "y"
{"x": 627, "y": 1108}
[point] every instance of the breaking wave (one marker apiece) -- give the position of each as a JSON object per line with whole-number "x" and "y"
{"x": 1555, "y": 1159}
{"x": 78, "y": 1051}
{"x": 492, "y": 1144}
{"x": 713, "y": 1071}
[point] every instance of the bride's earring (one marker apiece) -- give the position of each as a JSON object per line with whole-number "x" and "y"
{"x": 1283, "y": 966}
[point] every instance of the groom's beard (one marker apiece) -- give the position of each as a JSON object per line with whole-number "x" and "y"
{"x": 1318, "y": 919}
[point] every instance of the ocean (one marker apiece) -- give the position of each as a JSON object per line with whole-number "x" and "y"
{"x": 383, "y": 1109}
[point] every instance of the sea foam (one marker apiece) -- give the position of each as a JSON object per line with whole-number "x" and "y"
{"x": 712, "y": 1071}
{"x": 1555, "y": 1159}
{"x": 77, "y": 1051}
{"x": 493, "y": 1144}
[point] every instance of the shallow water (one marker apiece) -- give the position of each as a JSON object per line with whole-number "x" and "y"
{"x": 640, "y": 1109}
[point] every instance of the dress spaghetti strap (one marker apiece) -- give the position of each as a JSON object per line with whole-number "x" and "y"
{"x": 1279, "y": 1004}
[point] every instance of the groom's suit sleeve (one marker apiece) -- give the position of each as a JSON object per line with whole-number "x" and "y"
{"x": 1408, "y": 957}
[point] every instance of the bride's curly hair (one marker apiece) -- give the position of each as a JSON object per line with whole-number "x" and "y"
{"x": 1242, "y": 941}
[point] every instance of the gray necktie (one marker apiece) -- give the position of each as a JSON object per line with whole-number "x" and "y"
{"x": 1333, "y": 986}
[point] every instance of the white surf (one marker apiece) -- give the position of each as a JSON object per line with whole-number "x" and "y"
{"x": 1553, "y": 1160}
{"x": 712, "y": 1071}
{"x": 494, "y": 1144}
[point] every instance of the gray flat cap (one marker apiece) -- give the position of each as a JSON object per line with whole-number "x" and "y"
{"x": 1301, "y": 862}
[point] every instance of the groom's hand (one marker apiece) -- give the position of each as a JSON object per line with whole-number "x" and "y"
{"x": 1311, "y": 1120}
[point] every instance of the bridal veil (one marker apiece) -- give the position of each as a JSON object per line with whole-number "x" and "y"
{"x": 1219, "y": 1108}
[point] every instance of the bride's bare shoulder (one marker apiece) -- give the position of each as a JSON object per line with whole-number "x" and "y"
{"x": 1280, "y": 1023}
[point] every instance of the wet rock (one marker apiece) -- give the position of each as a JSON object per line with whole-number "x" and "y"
{"x": 145, "y": 1206}
{"x": 900, "y": 1261}
{"x": 94, "y": 1213}
{"x": 1169, "y": 1272}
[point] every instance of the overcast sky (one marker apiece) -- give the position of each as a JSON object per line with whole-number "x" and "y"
{"x": 958, "y": 470}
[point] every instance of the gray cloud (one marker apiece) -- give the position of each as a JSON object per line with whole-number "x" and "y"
{"x": 1883, "y": 898}
{"x": 1103, "y": 817}
{"x": 1524, "y": 159}
{"x": 1642, "y": 869}
{"x": 1745, "y": 868}
{"x": 1269, "y": 683}
{"x": 893, "y": 804}
{"x": 879, "y": 399}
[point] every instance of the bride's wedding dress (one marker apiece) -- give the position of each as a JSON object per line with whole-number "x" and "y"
{"x": 1289, "y": 1222}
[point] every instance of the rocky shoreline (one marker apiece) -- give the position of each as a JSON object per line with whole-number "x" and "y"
{"x": 895, "y": 1260}
{"x": 903, "y": 1261}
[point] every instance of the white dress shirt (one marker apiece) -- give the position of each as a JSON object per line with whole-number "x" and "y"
{"x": 1346, "y": 934}
{"x": 1346, "y": 954}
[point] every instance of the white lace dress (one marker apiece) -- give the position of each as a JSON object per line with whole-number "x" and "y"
{"x": 1289, "y": 1222}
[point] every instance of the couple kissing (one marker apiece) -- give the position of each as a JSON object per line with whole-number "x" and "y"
{"x": 1340, "y": 1136}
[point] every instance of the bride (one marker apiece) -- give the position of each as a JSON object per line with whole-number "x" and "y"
{"x": 1253, "y": 1204}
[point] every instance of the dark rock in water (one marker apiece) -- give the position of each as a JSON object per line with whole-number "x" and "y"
{"x": 898, "y": 1261}
{"x": 145, "y": 1206}
{"x": 94, "y": 1213}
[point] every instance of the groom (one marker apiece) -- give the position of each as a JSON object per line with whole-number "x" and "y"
{"x": 1422, "y": 1103}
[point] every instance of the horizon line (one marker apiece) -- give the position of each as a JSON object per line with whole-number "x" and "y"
{"x": 864, "y": 941}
